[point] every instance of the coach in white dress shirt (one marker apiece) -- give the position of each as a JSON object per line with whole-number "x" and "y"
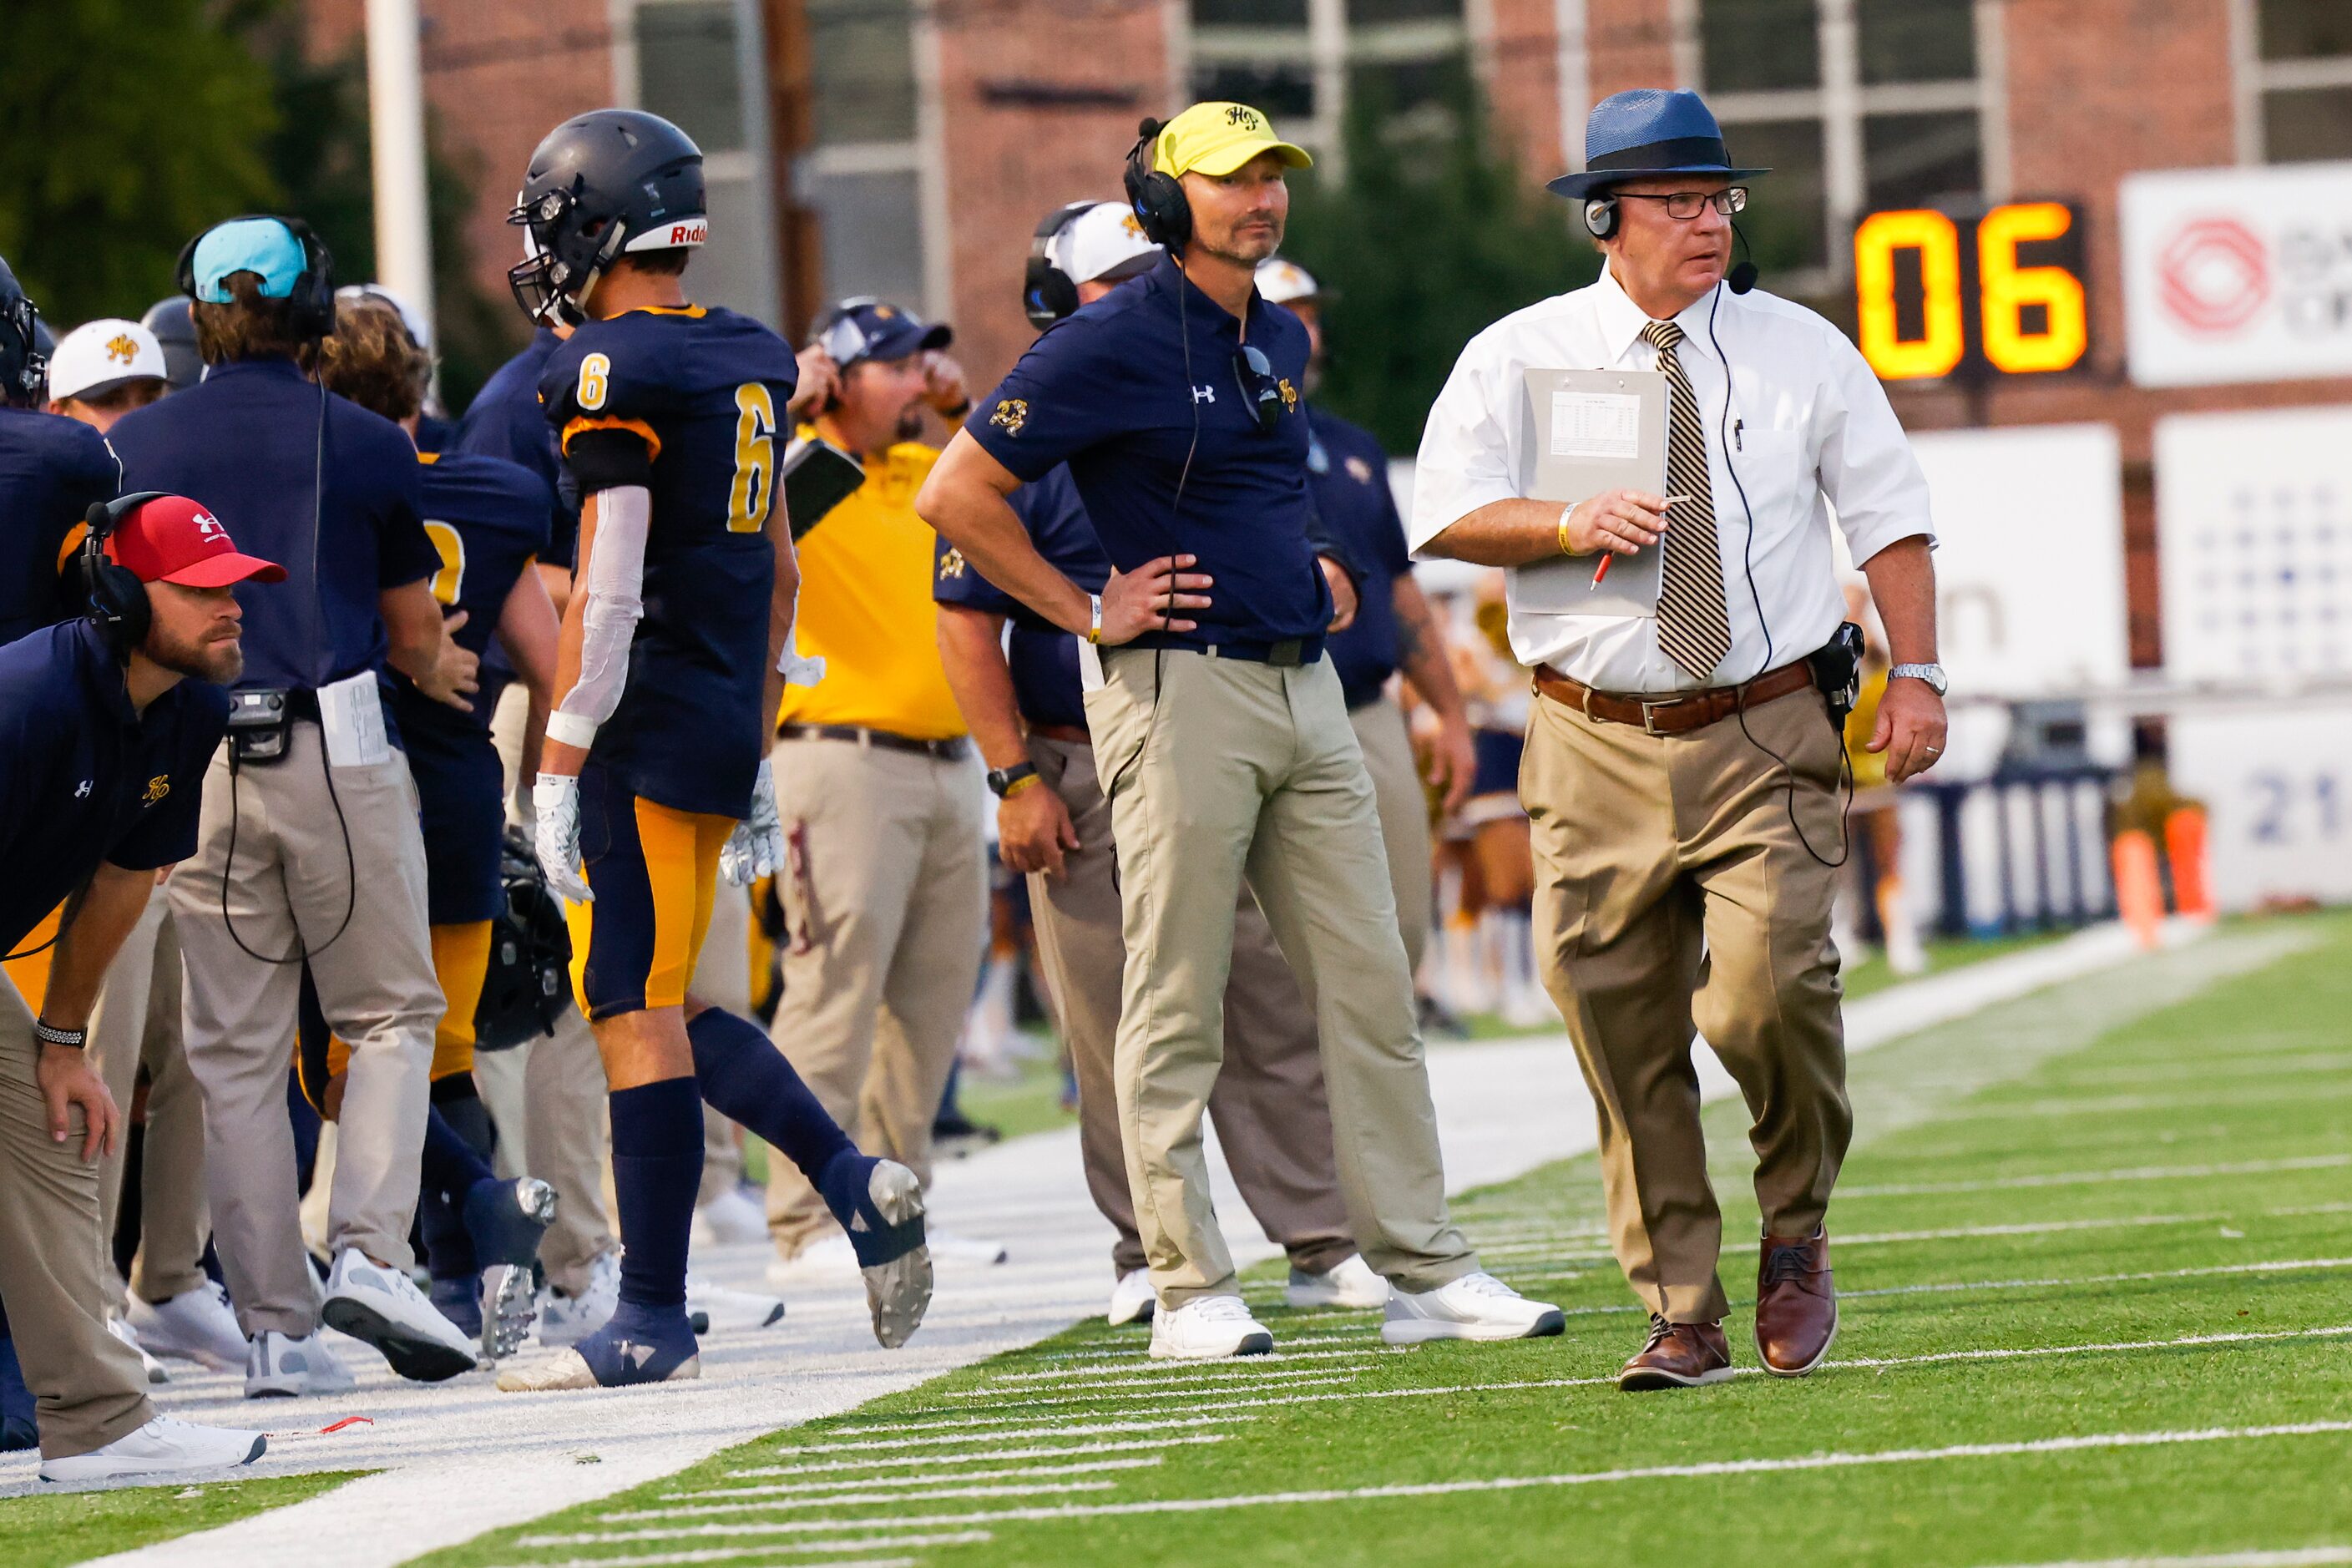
{"x": 1682, "y": 770}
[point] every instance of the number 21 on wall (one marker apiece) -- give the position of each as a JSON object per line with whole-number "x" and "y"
{"x": 1916, "y": 271}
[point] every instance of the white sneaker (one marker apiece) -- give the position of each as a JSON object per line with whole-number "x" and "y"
{"x": 734, "y": 1216}
{"x": 948, "y": 1246}
{"x": 279, "y": 1366}
{"x": 197, "y": 1325}
{"x": 162, "y": 1448}
{"x": 1208, "y": 1328}
{"x": 1132, "y": 1299}
{"x": 1476, "y": 1307}
{"x": 831, "y": 1259}
{"x": 565, "y": 1320}
{"x": 1348, "y": 1283}
{"x": 729, "y": 1312}
{"x": 383, "y": 1308}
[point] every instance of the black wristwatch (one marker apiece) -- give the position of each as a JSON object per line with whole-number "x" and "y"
{"x": 1001, "y": 780}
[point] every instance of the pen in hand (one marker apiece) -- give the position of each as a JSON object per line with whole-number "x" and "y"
{"x": 1608, "y": 555}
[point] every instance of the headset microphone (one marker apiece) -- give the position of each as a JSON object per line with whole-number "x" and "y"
{"x": 1742, "y": 276}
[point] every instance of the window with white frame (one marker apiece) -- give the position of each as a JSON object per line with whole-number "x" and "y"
{"x": 2302, "y": 78}
{"x": 863, "y": 176}
{"x": 1855, "y": 106}
{"x": 1300, "y": 60}
{"x": 699, "y": 64}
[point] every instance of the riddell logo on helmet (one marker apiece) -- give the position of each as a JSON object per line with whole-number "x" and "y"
{"x": 693, "y": 232}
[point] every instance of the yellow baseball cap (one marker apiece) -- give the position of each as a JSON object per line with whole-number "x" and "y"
{"x": 1217, "y": 139}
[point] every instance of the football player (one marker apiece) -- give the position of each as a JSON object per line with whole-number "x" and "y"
{"x": 489, "y": 520}
{"x": 51, "y": 470}
{"x": 653, "y": 783}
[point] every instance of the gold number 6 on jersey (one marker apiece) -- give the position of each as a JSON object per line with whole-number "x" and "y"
{"x": 755, "y": 459}
{"x": 450, "y": 581}
{"x": 595, "y": 380}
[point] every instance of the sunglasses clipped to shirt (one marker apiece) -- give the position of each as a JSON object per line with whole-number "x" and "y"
{"x": 1260, "y": 390}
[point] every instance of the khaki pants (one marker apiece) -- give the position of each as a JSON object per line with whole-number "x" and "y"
{"x": 564, "y": 1114}
{"x": 88, "y": 1385}
{"x": 1674, "y": 896}
{"x": 1404, "y": 816}
{"x": 1271, "y": 1114}
{"x": 137, "y": 1024}
{"x": 1229, "y": 770}
{"x": 289, "y": 886}
{"x": 886, "y": 905}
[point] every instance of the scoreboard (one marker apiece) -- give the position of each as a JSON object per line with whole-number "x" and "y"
{"x": 1997, "y": 291}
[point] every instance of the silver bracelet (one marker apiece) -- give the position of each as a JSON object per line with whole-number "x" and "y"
{"x": 49, "y": 1035}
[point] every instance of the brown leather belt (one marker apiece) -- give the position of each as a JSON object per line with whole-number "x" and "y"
{"x": 1068, "y": 735}
{"x": 1674, "y": 715}
{"x": 947, "y": 751}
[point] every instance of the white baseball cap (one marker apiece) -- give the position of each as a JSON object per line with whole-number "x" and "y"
{"x": 1104, "y": 244}
{"x": 97, "y": 357}
{"x": 1281, "y": 282}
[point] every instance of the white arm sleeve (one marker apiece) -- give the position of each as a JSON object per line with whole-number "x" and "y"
{"x": 616, "y": 590}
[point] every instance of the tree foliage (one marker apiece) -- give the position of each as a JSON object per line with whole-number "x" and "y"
{"x": 1434, "y": 235}
{"x": 125, "y": 126}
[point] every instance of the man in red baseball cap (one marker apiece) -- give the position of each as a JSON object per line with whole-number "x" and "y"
{"x": 100, "y": 785}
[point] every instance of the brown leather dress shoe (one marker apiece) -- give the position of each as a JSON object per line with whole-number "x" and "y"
{"x": 1679, "y": 1355}
{"x": 1796, "y": 1304}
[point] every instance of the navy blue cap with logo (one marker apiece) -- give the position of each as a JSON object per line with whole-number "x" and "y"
{"x": 866, "y": 328}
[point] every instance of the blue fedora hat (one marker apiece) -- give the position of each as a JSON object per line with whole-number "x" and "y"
{"x": 1645, "y": 131}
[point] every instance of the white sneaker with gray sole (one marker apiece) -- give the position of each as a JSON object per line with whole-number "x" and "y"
{"x": 197, "y": 1325}
{"x": 1349, "y": 1284}
{"x": 1208, "y": 1328}
{"x": 1132, "y": 1299}
{"x": 1476, "y": 1307}
{"x": 164, "y": 1446}
{"x": 280, "y": 1366}
{"x": 383, "y": 1308}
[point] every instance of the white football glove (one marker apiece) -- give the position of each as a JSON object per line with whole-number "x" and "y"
{"x": 799, "y": 670}
{"x": 756, "y": 847}
{"x": 555, "y": 801}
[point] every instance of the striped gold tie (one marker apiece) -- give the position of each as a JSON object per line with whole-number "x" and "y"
{"x": 1693, "y": 626}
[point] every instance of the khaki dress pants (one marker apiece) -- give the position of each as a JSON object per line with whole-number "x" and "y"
{"x": 1674, "y": 898}
{"x": 1403, "y": 807}
{"x": 1219, "y": 770}
{"x": 886, "y": 905}
{"x": 289, "y": 888}
{"x": 137, "y": 1024}
{"x": 1271, "y": 1114}
{"x": 88, "y": 1386}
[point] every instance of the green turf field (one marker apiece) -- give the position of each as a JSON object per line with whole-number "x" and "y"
{"x": 73, "y": 1527}
{"x": 2095, "y": 1248}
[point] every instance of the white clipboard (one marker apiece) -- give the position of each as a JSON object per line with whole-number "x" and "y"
{"x": 1583, "y": 432}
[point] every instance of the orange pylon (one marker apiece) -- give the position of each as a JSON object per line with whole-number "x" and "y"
{"x": 2139, "y": 893}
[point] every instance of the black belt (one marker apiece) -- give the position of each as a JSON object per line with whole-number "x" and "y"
{"x": 951, "y": 750}
{"x": 1289, "y": 653}
{"x": 303, "y": 703}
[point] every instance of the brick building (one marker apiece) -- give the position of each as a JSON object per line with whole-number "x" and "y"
{"x": 907, "y": 147}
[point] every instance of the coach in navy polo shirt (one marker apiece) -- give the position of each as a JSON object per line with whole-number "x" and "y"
{"x": 1219, "y": 727}
{"x": 314, "y": 852}
{"x": 104, "y": 741}
{"x": 51, "y": 469}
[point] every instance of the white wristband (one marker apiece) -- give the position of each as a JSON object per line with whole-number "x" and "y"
{"x": 572, "y": 729}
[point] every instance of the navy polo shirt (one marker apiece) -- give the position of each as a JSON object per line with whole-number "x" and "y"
{"x": 51, "y": 469}
{"x": 1044, "y": 657}
{"x": 85, "y": 777}
{"x": 1109, "y": 391}
{"x": 249, "y": 442}
{"x": 505, "y": 420}
{"x": 1348, "y": 474}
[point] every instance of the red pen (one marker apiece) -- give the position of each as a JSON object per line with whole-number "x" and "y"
{"x": 1608, "y": 555}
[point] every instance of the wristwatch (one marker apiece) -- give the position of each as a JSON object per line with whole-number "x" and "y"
{"x": 1002, "y": 782}
{"x": 1933, "y": 674}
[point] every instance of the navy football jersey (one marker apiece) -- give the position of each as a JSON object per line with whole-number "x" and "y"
{"x": 706, "y": 390}
{"x": 51, "y": 469}
{"x": 489, "y": 519}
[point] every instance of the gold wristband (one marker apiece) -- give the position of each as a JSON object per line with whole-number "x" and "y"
{"x": 1567, "y": 512}
{"x": 1093, "y": 632}
{"x": 1017, "y": 785}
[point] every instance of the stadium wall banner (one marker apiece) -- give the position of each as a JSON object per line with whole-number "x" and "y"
{"x": 2238, "y": 274}
{"x": 2255, "y": 561}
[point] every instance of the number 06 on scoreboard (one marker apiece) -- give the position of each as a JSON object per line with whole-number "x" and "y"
{"x": 1997, "y": 292}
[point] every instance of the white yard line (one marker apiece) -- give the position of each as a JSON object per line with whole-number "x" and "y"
{"x": 2280, "y": 1266}
{"x": 960, "y": 1431}
{"x": 1173, "y": 1369}
{"x": 920, "y": 1483}
{"x": 1138, "y": 1388}
{"x": 2099, "y": 1178}
{"x": 2113, "y": 1104}
{"x": 672, "y": 1559}
{"x": 2175, "y": 1072}
{"x": 1713, "y": 1469}
{"x": 1124, "y": 1446}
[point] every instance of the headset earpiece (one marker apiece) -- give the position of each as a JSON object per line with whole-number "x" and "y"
{"x": 312, "y": 298}
{"x": 1600, "y": 217}
{"x": 1049, "y": 294}
{"x": 119, "y": 605}
{"x": 1157, "y": 199}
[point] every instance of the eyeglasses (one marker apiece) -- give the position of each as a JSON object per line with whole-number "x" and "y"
{"x": 1686, "y": 205}
{"x": 1260, "y": 390}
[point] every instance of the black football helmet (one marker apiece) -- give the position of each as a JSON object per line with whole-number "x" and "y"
{"x": 24, "y": 362}
{"x": 529, "y": 983}
{"x": 173, "y": 322}
{"x": 603, "y": 182}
